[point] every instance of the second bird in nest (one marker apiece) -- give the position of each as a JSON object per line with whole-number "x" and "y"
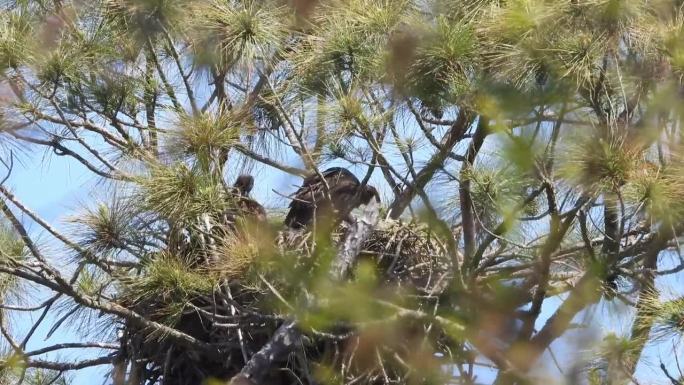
{"x": 310, "y": 204}
{"x": 245, "y": 206}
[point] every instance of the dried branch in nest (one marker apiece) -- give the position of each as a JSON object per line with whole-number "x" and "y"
{"x": 409, "y": 254}
{"x": 215, "y": 313}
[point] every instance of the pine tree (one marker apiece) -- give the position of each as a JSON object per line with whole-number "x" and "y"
{"x": 527, "y": 153}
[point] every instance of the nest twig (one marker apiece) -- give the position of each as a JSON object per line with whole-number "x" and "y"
{"x": 410, "y": 255}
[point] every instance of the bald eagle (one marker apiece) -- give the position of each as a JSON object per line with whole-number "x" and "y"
{"x": 310, "y": 202}
{"x": 245, "y": 206}
{"x": 243, "y": 185}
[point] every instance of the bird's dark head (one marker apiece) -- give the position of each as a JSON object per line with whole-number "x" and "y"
{"x": 243, "y": 184}
{"x": 368, "y": 193}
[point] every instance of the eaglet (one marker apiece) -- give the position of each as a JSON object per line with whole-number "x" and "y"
{"x": 245, "y": 206}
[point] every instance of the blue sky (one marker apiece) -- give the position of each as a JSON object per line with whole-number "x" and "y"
{"x": 51, "y": 186}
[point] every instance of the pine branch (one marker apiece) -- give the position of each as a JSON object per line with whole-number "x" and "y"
{"x": 425, "y": 175}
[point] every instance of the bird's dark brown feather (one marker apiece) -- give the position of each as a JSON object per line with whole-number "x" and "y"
{"x": 311, "y": 202}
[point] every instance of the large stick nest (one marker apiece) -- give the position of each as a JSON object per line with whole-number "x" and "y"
{"x": 411, "y": 255}
{"x": 238, "y": 317}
